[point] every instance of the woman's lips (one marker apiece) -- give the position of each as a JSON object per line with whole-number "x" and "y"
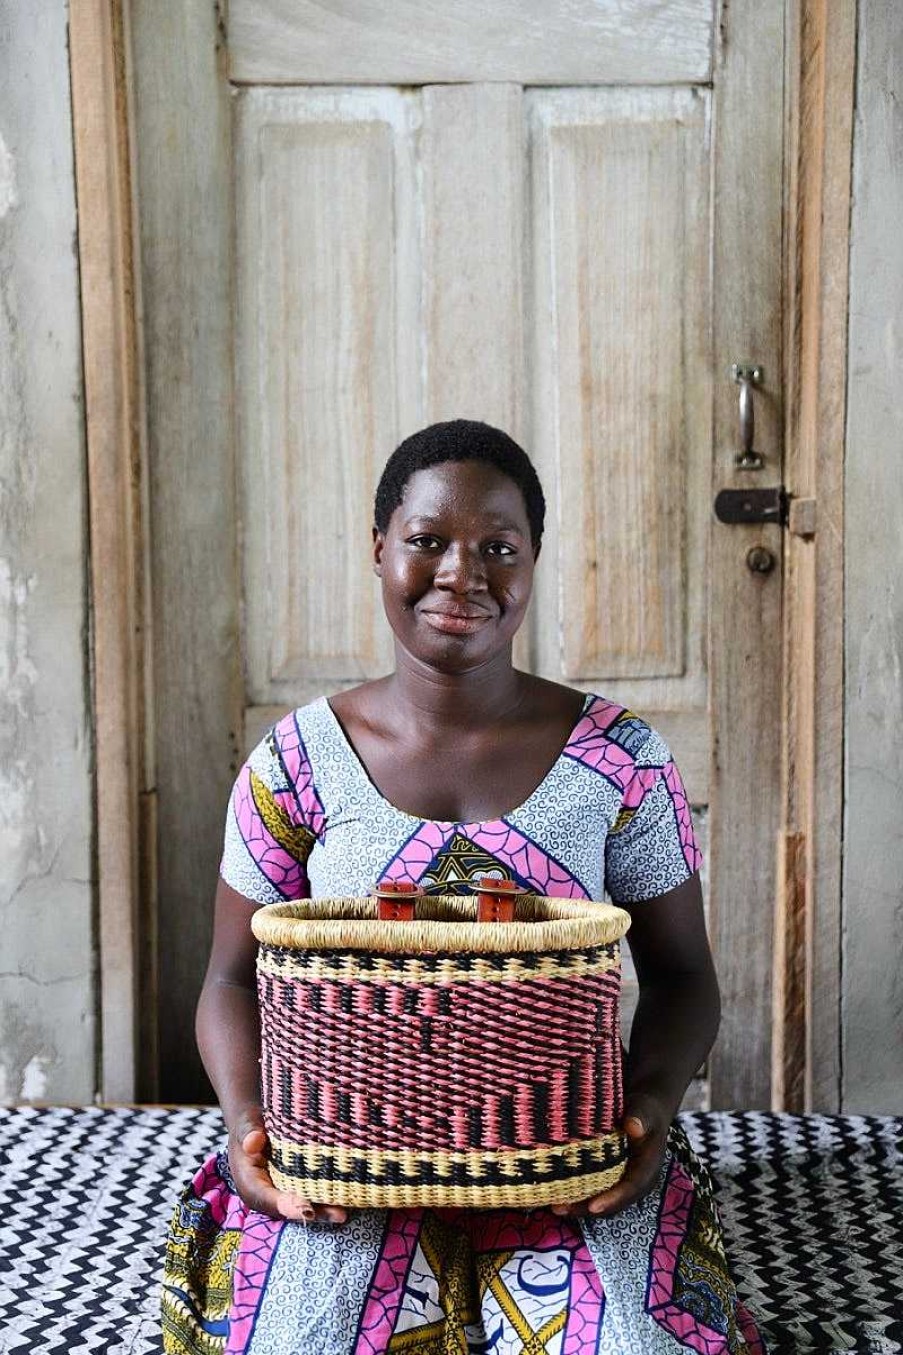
{"x": 456, "y": 623}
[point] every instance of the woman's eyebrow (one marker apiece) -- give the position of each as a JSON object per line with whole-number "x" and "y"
{"x": 495, "y": 523}
{"x": 502, "y": 524}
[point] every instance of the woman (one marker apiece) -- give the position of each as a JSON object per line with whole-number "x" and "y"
{"x": 456, "y": 765}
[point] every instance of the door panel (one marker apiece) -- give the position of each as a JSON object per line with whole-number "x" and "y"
{"x": 745, "y": 609}
{"x": 421, "y": 42}
{"x": 622, "y": 317}
{"x": 474, "y": 240}
{"x": 324, "y": 195}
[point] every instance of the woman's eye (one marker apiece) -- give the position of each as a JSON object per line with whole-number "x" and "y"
{"x": 424, "y": 541}
{"x": 501, "y": 548}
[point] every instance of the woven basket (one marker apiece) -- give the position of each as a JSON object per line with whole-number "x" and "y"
{"x": 444, "y": 1060}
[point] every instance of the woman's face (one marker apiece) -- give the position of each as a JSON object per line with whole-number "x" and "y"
{"x": 456, "y": 564}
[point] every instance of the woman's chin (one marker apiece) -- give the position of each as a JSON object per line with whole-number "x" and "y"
{"x": 455, "y": 655}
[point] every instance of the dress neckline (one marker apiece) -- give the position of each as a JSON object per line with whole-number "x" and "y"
{"x": 365, "y": 778}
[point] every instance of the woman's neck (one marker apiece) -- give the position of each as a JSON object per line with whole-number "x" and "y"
{"x": 437, "y": 700}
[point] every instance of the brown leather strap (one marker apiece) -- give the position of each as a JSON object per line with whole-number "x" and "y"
{"x": 396, "y": 900}
{"x": 496, "y": 899}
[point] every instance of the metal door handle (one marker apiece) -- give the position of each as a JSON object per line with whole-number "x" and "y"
{"x": 747, "y": 376}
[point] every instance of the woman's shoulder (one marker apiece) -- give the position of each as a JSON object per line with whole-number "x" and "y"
{"x": 605, "y": 724}
{"x": 287, "y": 746}
{"x": 298, "y": 719}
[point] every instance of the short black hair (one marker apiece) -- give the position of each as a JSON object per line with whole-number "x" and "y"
{"x": 459, "y": 440}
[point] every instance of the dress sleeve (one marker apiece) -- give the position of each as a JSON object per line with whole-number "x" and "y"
{"x": 651, "y": 847}
{"x": 272, "y": 821}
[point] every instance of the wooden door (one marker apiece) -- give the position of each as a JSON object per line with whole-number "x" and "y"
{"x": 563, "y": 219}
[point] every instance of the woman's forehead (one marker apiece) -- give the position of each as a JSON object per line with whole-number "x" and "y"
{"x": 466, "y": 487}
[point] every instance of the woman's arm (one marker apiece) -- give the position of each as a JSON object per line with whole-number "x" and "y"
{"x": 228, "y": 1034}
{"x": 679, "y": 1008}
{"x": 673, "y": 1029}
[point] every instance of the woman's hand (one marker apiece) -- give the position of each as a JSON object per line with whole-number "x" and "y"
{"x": 248, "y": 1163}
{"x": 645, "y": 1124}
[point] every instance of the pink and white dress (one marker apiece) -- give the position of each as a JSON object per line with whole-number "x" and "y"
{"x": 305, "y": 821}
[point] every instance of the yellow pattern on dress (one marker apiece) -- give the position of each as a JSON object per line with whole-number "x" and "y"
{"x": 199, "y": 1264}
{"x": 293, "y": 838}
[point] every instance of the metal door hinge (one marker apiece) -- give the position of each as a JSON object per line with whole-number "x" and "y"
{"x": 774, "y": 504}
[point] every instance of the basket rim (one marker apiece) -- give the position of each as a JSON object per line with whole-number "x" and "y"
{"x": 569, "y": 924}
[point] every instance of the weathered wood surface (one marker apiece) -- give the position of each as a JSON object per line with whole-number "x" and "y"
{"x": 872, "y": 993}
{"x": 182, "y": 137}
{"x": 746, "y": 607}
{"x": 532, "y": 42}
{"x": 474, "y": 221}
{"x": 807, "y": 942}
{"x": 115, "y": 476}
{"x": 790, "y": 1001}
{"x": 47, "y": 998}
{"x": 401, "y": 152}
{"x": 826, "y": 853}
{"x": 474, "y": 229}
{"x": 317, "y": 325}
{"x": 622, "y": 389}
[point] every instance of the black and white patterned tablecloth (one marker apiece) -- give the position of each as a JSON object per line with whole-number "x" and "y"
{"x": 812, "y": 1208}
{"x": 813, "y": 1216}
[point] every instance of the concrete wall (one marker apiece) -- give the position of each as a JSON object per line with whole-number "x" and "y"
{"x": 872, "y": 960}
{"x": 47, "y": 1024}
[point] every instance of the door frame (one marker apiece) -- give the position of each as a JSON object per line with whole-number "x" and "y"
{"x": 133, "y": 76}
{"x": 124, "y": 801}
{"x": 806, "y": 1050}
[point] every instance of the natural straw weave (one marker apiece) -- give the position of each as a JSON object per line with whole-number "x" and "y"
{"x": 441, "y": 1061}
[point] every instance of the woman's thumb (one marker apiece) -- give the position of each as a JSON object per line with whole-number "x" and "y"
{"x": 634, "y": 1127}
{"x": 250, "y": 1132}
{"x": 639, "y": 1117}
{"x": 254, "y": 1141}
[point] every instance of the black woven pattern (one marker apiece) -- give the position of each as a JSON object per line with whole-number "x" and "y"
{"x": 85, "y": 1200}
{"x": 429, "y": 1173}
{"x": 432, "y": 962}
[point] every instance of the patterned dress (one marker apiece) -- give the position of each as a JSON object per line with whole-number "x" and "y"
{"x": 305, "y": 820}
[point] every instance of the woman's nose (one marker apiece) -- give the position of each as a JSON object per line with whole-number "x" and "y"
{"x": 461, "y": 569}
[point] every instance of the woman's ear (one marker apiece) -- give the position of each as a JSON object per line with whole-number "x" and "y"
{"x": 536, "y": 550}
{"x": 378, "y": 542}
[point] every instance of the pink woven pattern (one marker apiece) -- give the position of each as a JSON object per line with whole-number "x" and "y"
{"x": 395, "y": 1065}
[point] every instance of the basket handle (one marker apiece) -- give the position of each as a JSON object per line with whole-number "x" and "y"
{"x": 496, "y": 899}
{"x": 396, "y": 900}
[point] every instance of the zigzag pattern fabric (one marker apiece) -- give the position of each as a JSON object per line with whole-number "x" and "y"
{"x": 813, "y": 1211}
